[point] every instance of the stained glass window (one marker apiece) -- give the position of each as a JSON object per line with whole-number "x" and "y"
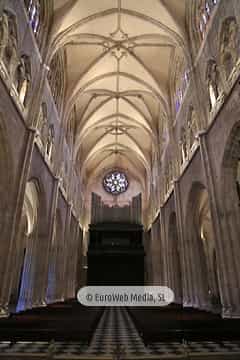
{"x": 205, "y": 11}
{"x": 181, "y": 89}
{"x": 33, "y": 9}
{"x": 115, "y": 182}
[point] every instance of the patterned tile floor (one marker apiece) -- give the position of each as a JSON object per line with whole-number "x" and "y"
{"x": 177, "y": 348}
{"x": 159, "y": 348}
{"x": 116, "y": 328}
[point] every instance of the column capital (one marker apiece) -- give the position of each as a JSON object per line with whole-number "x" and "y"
{"x": 176, "y": 181}
{"x": 33, "y": 130}
{"x": 201, "y": 133}
{"x": 4, "y": 312}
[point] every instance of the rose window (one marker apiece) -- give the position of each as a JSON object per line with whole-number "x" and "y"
{"x": 115, "y": 182}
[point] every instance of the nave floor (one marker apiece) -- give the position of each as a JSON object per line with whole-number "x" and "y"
{"x": 110, "y": 331}
{"x": 157, "y": 350}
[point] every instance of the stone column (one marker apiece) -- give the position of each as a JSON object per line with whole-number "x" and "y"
{"x": 168, "y": 255}
{"x": 61, "y": 256}
{"x": 184, "y": 258}
{"x": 156, "y": 253}
{"x": 199, "y": 94}
{"x": 70, "y": 259}
{"x": 225, "y": 254}
{"x": 26, "y": 292}
{"x": 19, "y": 261}
{"x": 42, "y": 281}
{"x": 163, "y": 239}
{"x": 66, "y": 250}
{"x": 76, "y": 246}
{"x": 172, "y": 263}
{"x": 198, "y": 269}
{"x": 148, "y": 259}
{"x": 80, "y": 259}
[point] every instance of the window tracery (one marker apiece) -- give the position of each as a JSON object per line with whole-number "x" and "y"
{"x": 8, "y": 41}
{"x": 43, "y": 124}
{"x": 64, "y": 171}
{"x": 56, "y": 79}
{"x": 213, "y": 83}
{"x": 3, "y": 32}
{"x": 33, "y": 10}
{"x": 188, "y": 136}
{"x": 50, "y": 142}
{"x": 71, "y": 129}
{"x": 183, "y": 145}
{"x": 46, "y": 133}
{"x": 229, "y": 45}
{"x": 205, "y": 10}
{"x": 169, "y": 175}
{"x": 192, "y": 127}
{"x": 23, "y": 79}
{"x": 181, "y": 89}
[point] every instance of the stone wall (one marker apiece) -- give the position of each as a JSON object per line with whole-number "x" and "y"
{"x": 26, "y": 159}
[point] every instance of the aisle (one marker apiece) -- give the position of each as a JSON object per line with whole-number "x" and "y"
{"x": 116, "y": 330}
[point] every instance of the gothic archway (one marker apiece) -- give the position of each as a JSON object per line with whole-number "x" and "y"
{"x": 28, "y": 236}
{"x": 202, "y": 261}
{"x": 231, "y": 170}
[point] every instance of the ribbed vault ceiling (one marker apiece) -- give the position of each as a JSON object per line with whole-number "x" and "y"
{"x": 119, "y": 59}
